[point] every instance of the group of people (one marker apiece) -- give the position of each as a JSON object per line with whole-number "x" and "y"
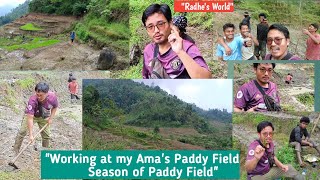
{"x": 261, "y": 162}
{"x": 275, "y": 38}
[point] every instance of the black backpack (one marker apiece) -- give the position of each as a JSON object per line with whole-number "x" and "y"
{"x": 269, "y": 101}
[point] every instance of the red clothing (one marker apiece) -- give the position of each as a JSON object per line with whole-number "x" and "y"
{"x": 73, "y": 87}
{"x": 289, "y": 78}
{"x": 313, "y": 49}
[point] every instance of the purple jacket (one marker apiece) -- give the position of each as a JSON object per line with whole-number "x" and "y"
{"x": 170, "y": 60}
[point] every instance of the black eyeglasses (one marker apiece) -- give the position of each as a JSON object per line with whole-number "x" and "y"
{"x": 160, "y": 25}
{"x": 276, "y": 40}
{"x": 266, "y": 134}
{"x": 263, "y": 70}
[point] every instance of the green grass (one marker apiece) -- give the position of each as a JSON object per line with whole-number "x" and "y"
{"x": 306, "y": 99}
{"x": 133, "y": 72}
{"x": 9, "y": 42}
{"x": 26, "y": 83}
{"x": 30, "y": 27}
{"x": 34, "y": 44}
{"x": 19, "y": 175}
{"x": 106, "y": 24}
{"x": 286, "y": 155}
{"x": 276, "y": 11}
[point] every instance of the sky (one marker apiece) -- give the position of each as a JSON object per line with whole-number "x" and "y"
{"x": 7, "y": 5}
{"x": 13, "y": 3}
{"x": 206, "y": 94}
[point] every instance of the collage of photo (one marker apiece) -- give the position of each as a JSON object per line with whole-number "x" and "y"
{"x": 137, "y": 75}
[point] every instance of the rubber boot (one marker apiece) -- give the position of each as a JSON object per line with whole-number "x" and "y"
{"x": 45, "y": 143}
{"x": 17, "y": 144}
{"x": 301, "y": 163}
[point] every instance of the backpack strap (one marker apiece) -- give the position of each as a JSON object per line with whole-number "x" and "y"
{"x": 287, "y": 57}
{"x": 155, "y": 55}
{"x": 258, "y": 140}
{"x": 156, "y": 51}
{"x": 259, "y": 87}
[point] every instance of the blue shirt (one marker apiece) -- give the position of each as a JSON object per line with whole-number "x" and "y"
{"x": 235, "y": 46}
{"x": 72, "y": 35}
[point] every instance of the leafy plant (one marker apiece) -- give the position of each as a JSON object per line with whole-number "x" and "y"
{"x": 306, "y": 99}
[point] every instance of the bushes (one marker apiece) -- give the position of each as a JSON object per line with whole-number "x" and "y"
{"x": 82, "y": 32}
{"x": 61, "y": 7}
{"x": 306, "y": 99}
{"x": 286, "y": 155}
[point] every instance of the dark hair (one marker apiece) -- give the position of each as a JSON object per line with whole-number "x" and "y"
{"x": 263, "y": 125}
{"x": 305, "y": 119}
{"x": 156, "y": 8}
{"x": 70, "y": 74}
{"x": 255, "y": 65}
{"x": 187, "y": 37}
{"x": 280, "y": 28}
{"x": 262, "y": 14}
{"x": 42, "y": 87}
{"x": 243, "y": 23}
{"x": 315, "y": 26}
{"x": 228, "y": 25}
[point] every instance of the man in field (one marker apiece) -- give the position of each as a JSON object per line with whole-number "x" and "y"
{"x": 41, "y": 108}
{"x": 251, "y": 96}
{"x": 261, "y": 162}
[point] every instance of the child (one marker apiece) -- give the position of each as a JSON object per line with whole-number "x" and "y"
{"x": 73, "y": 89}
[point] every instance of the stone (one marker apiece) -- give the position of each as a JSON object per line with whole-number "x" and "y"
{"x": 106, "y": 59}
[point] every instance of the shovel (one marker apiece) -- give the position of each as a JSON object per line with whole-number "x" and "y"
{"x": 11, "y": 163}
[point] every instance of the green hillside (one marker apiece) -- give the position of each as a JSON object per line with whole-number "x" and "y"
{"x": 125, "y": 107}
{"x": 106, "y": 24}
{"x": 15, "y": 13}
{"x": 293, "y": 12}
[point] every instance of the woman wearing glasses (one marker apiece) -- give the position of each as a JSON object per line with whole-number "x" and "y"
{"x": 278, "y": 41}
{"x": 169, "y": 56}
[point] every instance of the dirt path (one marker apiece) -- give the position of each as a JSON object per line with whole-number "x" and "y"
{"x": 61, "y": 56}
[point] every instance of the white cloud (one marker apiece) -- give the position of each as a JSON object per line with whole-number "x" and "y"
{"x": 12, "y": 3}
